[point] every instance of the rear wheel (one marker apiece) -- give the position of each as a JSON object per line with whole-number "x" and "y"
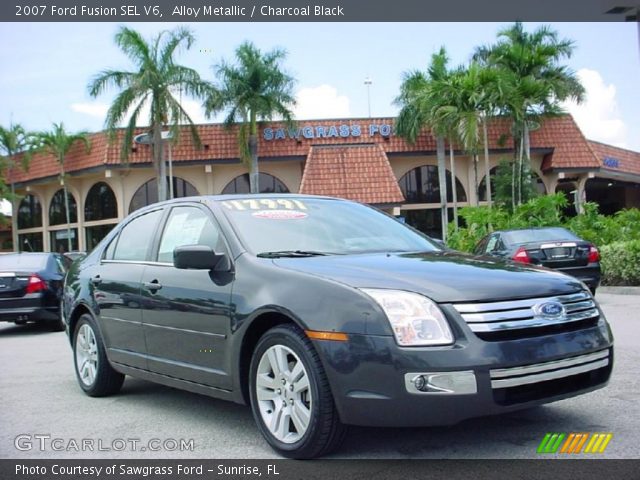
{"x": 95, "y": 375}
{"x": 290, "y": 396}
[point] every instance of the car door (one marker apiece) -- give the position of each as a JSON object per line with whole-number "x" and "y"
{"x": 186, "y": 313}
{"x": 116, "y": 284}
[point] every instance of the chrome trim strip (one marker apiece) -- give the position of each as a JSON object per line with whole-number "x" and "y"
{"x": 532, "y": 322}
{"x": 554, "y": 365}
{"x": 546, "y": 376}
{"x": 184, "y": 330}
{"x": 516, "y": 304}
{"x": 558, "y": 245}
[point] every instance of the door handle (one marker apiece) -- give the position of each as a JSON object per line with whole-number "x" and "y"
{"x": 152, "y": 286}
{"x": 96, "y": 280}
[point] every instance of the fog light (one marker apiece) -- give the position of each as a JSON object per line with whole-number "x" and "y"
{"x": 420, "y": 383}
{"x": 447, "y": 383}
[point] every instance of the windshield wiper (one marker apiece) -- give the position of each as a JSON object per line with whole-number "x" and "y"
{"x": 292, "y": 253}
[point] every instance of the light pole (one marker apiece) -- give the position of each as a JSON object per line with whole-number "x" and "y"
{"x": 147, "y": 139}
{"x": 368, "y": 82}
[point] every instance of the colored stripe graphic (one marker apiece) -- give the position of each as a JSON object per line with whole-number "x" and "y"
{"x": 598, "y": 443}
{"x": 551, "y": 442}
{"x": 574, "y": 442}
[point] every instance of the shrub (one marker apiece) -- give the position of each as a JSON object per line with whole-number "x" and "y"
{"x": 620, "y": 263}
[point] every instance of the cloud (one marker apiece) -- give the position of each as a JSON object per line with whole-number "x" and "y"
{"x": 598, "y": 116}
{"x": 321, "y": 102}
{"x": 93, "y": 109}
{"x": 99, "y": 110}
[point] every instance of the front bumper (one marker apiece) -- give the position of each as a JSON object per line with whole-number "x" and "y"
{"x": 368, "y": 375}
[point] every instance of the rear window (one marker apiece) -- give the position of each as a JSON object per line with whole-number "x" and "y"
{"x": 23, "y": 262}
{"x": 539, "y": 235}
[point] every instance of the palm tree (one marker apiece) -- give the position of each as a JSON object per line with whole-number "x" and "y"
{"x": 535, "y": 84}
{"x": 420, "y": 98}
{"x": 154, "y": 82}
{"x": 472, "y": 93}
{"x": 57, "y": 143}
{"x": 252, "y": 90}
{"x": 14, "y": 141}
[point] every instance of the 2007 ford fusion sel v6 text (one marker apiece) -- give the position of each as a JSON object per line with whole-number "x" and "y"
{"x": 322, "y": 313}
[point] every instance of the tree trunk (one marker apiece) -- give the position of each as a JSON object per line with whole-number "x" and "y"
{"x": 526, "y": 164}
{"x": 487, "y": 170}
{"x": 66, "y": 205}
{"x": 476, "y": 186}
{"x": 519, "y": 172}
{"x": 454, "y": 190}
{"x": 442, "y": 184}
{"x": 14, "y": 216}
{"x": 254, "y": 173}
{"x": 158, "y": 160}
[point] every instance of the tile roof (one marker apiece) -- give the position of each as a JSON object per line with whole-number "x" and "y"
{"x": 561, "y": 135}
{"x": 628, "y": 161}
{"x": 357, "y": 172}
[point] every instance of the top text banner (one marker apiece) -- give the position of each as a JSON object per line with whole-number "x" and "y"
{"x": 317, "y": 10}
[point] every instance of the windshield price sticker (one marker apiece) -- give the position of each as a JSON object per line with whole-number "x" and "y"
{"x": 264, "y": 204}
{"x": 280, "y": 214}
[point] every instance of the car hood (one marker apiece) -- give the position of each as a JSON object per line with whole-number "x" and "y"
{"x": 442, "y": 276}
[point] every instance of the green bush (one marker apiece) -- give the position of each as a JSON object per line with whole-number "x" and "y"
{"x": 620, "y": 263}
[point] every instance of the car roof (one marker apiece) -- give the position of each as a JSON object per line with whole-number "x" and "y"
{"x": 528, "y": 228}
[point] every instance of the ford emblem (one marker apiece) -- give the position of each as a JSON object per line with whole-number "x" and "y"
{"x": 549, "y": 310}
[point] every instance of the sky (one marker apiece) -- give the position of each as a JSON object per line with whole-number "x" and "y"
{"x": 46, "y": 67}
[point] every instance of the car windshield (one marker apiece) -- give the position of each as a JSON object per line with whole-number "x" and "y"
{"x": 22, "y": 262}
{"x": 539, "y": 235}
{"x": 299, "y": 226}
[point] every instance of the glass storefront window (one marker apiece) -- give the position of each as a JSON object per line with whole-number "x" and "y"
{"x": 267, "y": 184}
{"x": 30, "y": 212}
{"x": 148, "y": 193}
{"x": 57, "y": 213}
{"x": 30, "y": 242}
{"x": 59, "y": 243}
{"x": 95, "y": 234}
{"x": 100, "y": 204}
{"x": 420, "y": 185}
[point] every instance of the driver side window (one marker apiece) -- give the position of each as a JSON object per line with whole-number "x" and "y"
{"x": 188, "y": 226}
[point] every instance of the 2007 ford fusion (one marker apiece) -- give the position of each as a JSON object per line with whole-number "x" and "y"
{"x": 322, "y": 313}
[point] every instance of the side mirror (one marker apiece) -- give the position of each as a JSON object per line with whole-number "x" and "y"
{"x": 439, "y": 242}
{"x": 199, "y": 257}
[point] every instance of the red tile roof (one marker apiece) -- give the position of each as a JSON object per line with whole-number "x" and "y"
{"x": 628, "y": 160}
{"x": 560, "y": 134}
{"x": 358, "y": 172}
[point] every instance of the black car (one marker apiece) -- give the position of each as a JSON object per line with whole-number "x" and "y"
{"x": 552, "y": 247}
{"x": 31, "y": 288}
{"x": 322, "y": 313}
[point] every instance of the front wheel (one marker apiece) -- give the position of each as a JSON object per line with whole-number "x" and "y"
{"x": 290, "y": 396}
{"x": 95, "y": 375}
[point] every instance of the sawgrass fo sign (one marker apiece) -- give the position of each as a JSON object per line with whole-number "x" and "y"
{"x": 311, "y": 132}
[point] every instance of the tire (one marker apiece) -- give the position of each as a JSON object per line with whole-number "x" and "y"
{"x": 283, "y": 424}
{"x": 96, "y": 376}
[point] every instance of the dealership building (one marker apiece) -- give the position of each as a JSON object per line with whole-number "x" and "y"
{"x": 358, "y": 159}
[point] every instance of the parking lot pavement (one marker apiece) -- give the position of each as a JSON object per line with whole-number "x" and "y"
{"x": 40, "y": 397}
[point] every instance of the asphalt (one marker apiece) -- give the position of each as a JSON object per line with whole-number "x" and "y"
{"x": 40, "y": 396}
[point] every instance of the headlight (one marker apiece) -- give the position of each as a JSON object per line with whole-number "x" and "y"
{"x": 415, "y": 320}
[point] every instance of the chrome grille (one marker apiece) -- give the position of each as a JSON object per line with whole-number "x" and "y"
{"x": 542, "y": 372}
{"x": 520, "y": 314}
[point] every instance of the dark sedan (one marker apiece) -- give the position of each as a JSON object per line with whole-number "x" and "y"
{"x": 31, "y": 288}
{"x": 322, "y": 313}
{"x": 552, "y": 247}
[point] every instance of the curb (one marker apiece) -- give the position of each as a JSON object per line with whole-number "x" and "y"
{"x": 620, "y": 290}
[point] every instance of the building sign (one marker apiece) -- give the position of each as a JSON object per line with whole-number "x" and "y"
{"x": 611, "y": 162}
{"x": 328, "y": 131}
